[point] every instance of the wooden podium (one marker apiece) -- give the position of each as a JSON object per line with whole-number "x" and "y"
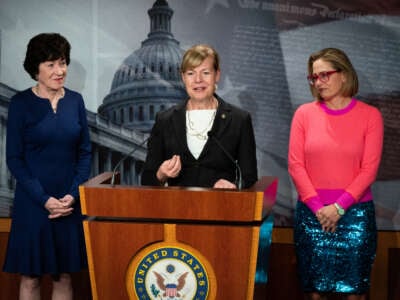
{"x": 173, "y": 242}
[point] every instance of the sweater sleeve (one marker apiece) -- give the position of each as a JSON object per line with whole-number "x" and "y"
{"x": 296, "y": 163}
{"x": 370, "y": 159}
{"x": 15, "y": 154}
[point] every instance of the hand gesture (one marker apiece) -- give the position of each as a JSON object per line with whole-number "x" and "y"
{"x": 169, "y": 168}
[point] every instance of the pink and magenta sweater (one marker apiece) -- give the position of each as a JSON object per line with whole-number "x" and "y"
{"x": 334, "y": 155}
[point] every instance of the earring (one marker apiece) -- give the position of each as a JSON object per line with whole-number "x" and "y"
{"x": 216, "y": 86}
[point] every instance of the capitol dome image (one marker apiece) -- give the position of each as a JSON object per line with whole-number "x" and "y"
{"x": 149, "y": 79}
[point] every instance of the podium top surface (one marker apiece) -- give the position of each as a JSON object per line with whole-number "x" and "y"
{"x": 101, "y": 199}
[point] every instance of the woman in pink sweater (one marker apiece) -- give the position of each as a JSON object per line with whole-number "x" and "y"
{"x": 334, "y": 153}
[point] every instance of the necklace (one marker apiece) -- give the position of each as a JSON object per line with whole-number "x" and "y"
{"x": 53, "y": 102}
{"x": 193, "y": 127}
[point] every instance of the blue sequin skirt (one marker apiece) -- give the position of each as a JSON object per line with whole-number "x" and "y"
{"x": 337, "y": 262}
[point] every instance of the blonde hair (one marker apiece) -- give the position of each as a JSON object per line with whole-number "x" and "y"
{"x": 340, "y": 62}
{"x": 194, "y": 56}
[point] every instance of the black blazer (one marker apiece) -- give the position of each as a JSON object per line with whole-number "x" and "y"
{"x": 232, "y": 127}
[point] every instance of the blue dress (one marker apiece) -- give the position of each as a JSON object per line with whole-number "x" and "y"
{"x": 49, "y": 154}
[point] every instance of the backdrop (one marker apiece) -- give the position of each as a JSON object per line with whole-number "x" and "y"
{"x": 264, "y": 47}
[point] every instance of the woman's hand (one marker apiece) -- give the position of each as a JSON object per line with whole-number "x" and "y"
{"x": 328, "y": 217}
{"x": 58, "y": 208}
{"x": 224, "y": 184}
{"x": 169, "y": 168}
{"x": 68, "y": 200}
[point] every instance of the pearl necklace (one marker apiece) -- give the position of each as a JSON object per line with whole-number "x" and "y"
{"x": 54, "y": 101}
{"x": 193, "y": 131}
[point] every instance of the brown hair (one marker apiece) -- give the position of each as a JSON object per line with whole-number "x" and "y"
{"x": 194, "y": 56}
{"x": 340, "y": 62}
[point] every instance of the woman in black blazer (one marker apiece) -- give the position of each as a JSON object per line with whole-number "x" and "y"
{"x": 205, "y": 141}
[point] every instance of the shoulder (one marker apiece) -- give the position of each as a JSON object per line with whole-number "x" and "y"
{"x": 22, "y": 95}
{"x": 308, "y": 106}
{"x": 363, "y": 106}
{"x": 236, "y": 112}
{"x": 74, "y": 97}
{"x": 71, "y": 94}
{"x": 169, "y": 113}
{"x": 307, "y": 109}
{"x": 22, "y": 99}
{"x": 367, "y": 110}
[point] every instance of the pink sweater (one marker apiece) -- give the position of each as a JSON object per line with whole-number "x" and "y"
{"x": 334, "y": 155}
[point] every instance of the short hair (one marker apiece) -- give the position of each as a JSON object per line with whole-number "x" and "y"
{"x": 194, "y": 57}
{"x": 45, "y": 47}
{"x": 340, "y": 62}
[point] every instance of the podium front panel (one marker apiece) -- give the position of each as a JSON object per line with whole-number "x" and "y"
{"x": 219, "y": 228}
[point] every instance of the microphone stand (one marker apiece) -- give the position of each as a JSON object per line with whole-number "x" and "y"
{"x": 238, "y": 171}
{"x": 114, "y": 172}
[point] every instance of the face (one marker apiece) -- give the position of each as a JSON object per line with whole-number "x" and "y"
{"x": 52, "y": 74}
{"x": 332, "y": 87}
{"x": 200, "y": 81}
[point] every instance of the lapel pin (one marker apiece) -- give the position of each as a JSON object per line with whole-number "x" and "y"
{"x": 223, "y": 116}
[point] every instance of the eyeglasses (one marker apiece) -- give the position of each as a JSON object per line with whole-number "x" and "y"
{"x": 323, "y": 76}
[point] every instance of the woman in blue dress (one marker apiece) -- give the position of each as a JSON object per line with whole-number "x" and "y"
{"x": 49, "y": 154}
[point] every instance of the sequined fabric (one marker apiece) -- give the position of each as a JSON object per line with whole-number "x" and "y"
{"x": 264, "y": 247}
{"x": 336, "y": 262}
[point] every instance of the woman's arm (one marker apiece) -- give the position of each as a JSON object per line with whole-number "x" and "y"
{"x": 373, "y": 142}
{"x": 82, "y": 168}
{"x": 15, "y": 153}
{"x": 296, "y": 163}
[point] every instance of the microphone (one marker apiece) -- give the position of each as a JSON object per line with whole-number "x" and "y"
{"x": 114, "y": 172}
{"x": 238, "y": 171}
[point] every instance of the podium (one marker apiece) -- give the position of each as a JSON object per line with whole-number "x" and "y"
{"x": 173, "y": 242}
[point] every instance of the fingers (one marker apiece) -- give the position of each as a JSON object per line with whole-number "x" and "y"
{"x": 173, "y": 161}
{"x": 174, "y": 165}
{"x": 67, "y": 200}
{"x": 171, "y": 167}
{"x": 59, "y": 208}
{"x": 224, "y": 184}
{"x": 57, "y": 213}
{"x": 328, "y": 218}
{"x": 327, "y": 224}
{"x": 329, "y": 227}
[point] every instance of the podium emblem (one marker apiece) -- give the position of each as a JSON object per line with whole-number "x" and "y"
{"x": 168, "y": 273}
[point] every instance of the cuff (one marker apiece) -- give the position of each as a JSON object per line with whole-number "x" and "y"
{"x": 346, "y": 200}
{"x": 314, "y": 203}
{"x": 44, "y": 199}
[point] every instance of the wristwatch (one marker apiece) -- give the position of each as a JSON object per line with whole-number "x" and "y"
{"x": 340, "y": 209}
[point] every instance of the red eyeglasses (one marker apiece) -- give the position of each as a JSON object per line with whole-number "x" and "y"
{"x": 323, "y": 76}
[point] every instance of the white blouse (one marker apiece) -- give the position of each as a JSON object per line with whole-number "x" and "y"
{"x": 198, "y": 123}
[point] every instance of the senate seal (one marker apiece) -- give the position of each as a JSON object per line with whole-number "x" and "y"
{"x": 168, "y": 273}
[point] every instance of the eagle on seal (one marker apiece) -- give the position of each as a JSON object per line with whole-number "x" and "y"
{"x": 170, "y": 288}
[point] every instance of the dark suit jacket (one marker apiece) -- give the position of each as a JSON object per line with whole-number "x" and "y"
{"x": 232, "y": 127}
